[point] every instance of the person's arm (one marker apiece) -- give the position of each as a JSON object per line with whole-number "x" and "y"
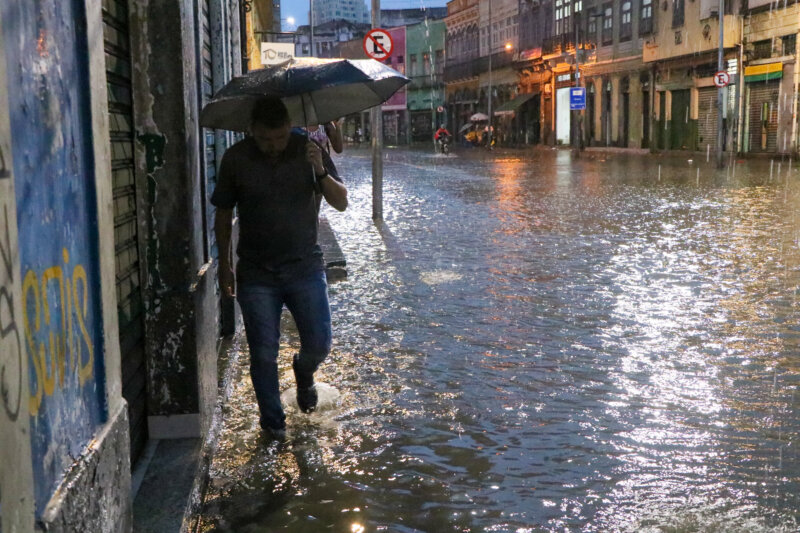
{"x": 334, "y": 133}
{"x": 335, "y": 192}
{"x": 223, "y": 225}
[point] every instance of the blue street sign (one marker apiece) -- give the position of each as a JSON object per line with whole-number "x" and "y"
{"x": 577, "y": 98}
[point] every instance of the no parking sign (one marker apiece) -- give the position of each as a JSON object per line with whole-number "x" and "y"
{"x": 378, "y": 44}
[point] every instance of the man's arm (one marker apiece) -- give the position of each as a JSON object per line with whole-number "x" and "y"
{"x": 334, "y": 132}
{"x": 223, "y": 224}
{"x": 335, "y": 193}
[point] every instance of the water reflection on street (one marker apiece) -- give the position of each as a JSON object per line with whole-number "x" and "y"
{"x": 534, "y": 343}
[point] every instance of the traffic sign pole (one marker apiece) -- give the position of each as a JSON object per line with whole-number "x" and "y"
{"x": 376, "y": 115}
{"x": 720, "y": 67}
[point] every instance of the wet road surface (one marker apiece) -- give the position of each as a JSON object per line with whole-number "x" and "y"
{"x": 532, "y": 343}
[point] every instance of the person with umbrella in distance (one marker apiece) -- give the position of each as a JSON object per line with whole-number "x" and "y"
{"x": 266, "y": 177}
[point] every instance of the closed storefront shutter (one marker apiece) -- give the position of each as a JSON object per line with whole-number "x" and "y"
{"x": 707, "y": 119}
{"x": 126, "y": 234}
{"x": 209, "y": 152}
{"x": 763, "y": 115}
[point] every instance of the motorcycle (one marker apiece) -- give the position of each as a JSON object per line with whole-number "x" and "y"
{"x": 444, "y": 144}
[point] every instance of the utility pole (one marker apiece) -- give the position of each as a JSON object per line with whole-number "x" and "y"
{"x": 578, "y": 80}
{"x": 311, "y": 28}
{"x": 376, "y": 118}
{"x": 489, "y": 132}
{"x": 720, "y": 68}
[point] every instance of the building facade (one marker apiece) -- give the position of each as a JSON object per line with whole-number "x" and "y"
{"x": 768, "y": 100}
{"x": 618, "y": 83}
{"x": 462, "y": 52}
{"x": 110, "y": 318}
{"x": 350, "y": 10}
{"x": 425, "y": 67}
{"x": 683, "y": 51}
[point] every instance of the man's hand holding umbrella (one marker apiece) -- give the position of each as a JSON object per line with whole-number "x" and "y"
{"x": 333, "y": 191}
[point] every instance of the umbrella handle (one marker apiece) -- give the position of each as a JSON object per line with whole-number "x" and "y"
{"x": 314, "y": 182}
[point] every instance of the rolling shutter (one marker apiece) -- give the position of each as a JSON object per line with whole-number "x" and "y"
{"x": 126, "y": 234}
{"x": 707, "y": 119}
{"x": 764, "y": 116}
{"x": 209, "y": 148}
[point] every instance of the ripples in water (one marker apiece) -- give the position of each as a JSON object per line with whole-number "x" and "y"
{"x": 541, "y": 344}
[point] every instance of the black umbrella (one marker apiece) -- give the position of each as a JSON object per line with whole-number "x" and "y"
{"x": 314, "y": 90}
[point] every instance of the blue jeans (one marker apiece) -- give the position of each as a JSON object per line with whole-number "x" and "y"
{"x": 307, "y": 300}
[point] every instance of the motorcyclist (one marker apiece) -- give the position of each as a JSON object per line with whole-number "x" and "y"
{"x": 441, "y": 136}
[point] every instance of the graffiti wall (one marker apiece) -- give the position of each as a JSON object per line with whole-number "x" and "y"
{"x": 60, "y": 330}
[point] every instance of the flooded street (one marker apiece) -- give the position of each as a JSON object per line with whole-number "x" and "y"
{"x": 532, "y": 343}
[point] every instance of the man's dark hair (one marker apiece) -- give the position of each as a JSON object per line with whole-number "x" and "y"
{"x": 270, "y": 112}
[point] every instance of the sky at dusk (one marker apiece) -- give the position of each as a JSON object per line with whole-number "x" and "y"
{"x": 299, "y": 8}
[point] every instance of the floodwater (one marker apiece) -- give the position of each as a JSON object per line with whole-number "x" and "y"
{"x": 532, "y": 343}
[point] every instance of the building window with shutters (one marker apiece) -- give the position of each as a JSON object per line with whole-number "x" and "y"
{"x": 789, "y": 44}
{"x": 426, "y": 64}
{"x": 412, "y": 66}
{"x": 762, "y": 49}
{"x": 438, "y": 67}
{"x": 677, "y": 13}
{"x": 646, "y": 17}
{"x": 625, "y": 29}
{"x": 591, "y": 31}
{"x": 608, "y": 24}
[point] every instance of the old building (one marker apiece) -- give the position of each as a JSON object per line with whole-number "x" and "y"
{"x": 109, "y": 308}
{"x": 683, "y": 49}
{"x": 771, "y": 77}
{"x": 498, "y": 26}
{"x": 425, "y": 49}
{"x": 461, "y": 61}
{"x": 618, "y": 82}
{"x": 534, "y": 94}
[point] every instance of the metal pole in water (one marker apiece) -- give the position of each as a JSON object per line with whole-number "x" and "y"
{"x": 720, "y": 66}
{"x": 659, "y": 172}
{"x": 377, "y": 138}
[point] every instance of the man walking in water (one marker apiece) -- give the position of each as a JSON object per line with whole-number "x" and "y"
{"x": 268, "y": 178}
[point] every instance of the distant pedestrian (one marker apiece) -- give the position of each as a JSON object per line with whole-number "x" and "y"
{"x": 268, "y": 178}
{"x": 329, "y": 136}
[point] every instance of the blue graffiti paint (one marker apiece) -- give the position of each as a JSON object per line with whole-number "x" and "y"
{"x": 46, "y": 54}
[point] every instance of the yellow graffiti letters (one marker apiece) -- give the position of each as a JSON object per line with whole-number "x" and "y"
{"x": 55, "y": 334}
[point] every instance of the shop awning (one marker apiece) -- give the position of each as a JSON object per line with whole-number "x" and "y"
{"x": 514, "y": 104}
{"x": 770, "y": 71}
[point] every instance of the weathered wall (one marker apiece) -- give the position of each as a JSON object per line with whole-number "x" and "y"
{"x": 181, "y": 302}
{"x": 54, "y": 175}
{"x": 16, "y": 475}
{"x": 61, "y": 167}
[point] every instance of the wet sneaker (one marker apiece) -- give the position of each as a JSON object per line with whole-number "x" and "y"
{"x": 307, "y": 399}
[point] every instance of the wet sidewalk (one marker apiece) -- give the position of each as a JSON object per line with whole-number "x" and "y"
{"x": 171, "y": 481}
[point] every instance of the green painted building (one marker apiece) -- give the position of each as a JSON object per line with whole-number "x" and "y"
{"x": 425, "y": 67}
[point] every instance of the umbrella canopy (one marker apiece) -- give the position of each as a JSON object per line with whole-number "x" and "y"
{"x": 314, "y": 90}
{"x": 477, "y": 117}
{"x": 465, "y": 127}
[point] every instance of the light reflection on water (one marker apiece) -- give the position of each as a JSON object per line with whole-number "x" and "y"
{"x": 539, "y": 344}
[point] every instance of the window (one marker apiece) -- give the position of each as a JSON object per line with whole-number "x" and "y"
{"x": 608, "y": 24}
{"x": 426, "y": 64}
{"x": 438, "y": 66}
{"x": 677, "y": 13}
{"x": 646, "y": 17}
{"x": 625, "y": 31}
{"x": 592, "y": 30}
{"x": 789, "y": 43}
{"x": 563, "y": 9}
{"x": 412, "y": 67}
{"x": 762, "y": 49}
